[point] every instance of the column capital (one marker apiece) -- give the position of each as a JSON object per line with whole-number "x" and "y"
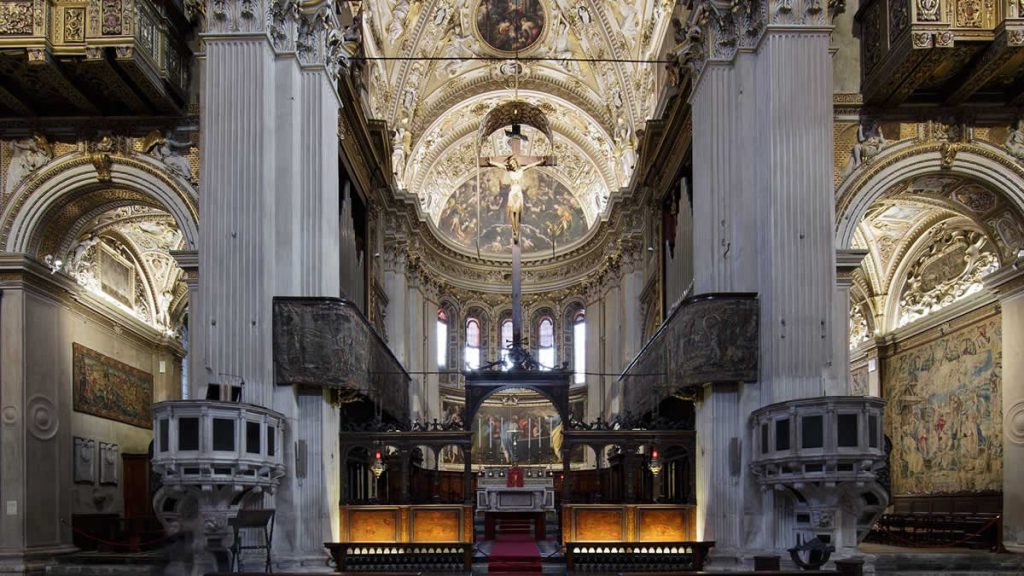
{"x": 847, "y": 261}
{"x": 717, "y": 30}
{"x": 1007, "y": 281}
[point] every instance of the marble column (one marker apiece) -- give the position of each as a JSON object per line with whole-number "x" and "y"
{"x": 35, "y": 417}
{"x": 594, "y": 352}
{"x": 611, "y": 341}
{"x": 188, "y": 261}
{"x": 396, "y": 288}
{"x": 847, "y": 261}
{"x": 763, "y": 222}
{"x": 270, "y": 218}
{"x": 1008, "y": 283}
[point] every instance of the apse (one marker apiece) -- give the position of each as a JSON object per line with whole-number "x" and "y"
{"x": 552, "y": 216}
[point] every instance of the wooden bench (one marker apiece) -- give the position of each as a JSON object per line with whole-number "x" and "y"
{"x": 956, "y": 529}
{"x": 615, "y": 557}
{"x": 401, "y": 557}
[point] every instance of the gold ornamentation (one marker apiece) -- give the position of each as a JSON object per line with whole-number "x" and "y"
{"x": 111, "y": 17}
{"x": 949, "y": 151}
{"x": 15, "y": 18}
{"x": 969, "y": 13}
{"x": 927, "y": 10}
{"x": 74, "y": 24}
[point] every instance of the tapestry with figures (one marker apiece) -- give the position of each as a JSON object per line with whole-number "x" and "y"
{"x": 943, "y": 412}
{"x": 111, "y": 389}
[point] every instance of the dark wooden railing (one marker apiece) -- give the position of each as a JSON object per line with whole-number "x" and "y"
{"x": 706, "y": 338}
{"x": 939, "y": 530}
{"x": 403, "y": 558}
{"x": 327, "y": 342}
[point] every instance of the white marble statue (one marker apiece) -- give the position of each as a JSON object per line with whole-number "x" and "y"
{"x": 870, "y": 142}
{"x": 398, "y": 17}
{"x": 457, "y": 45}
{"x": 169, "y": 151}
{"x": 78, "y": 260}
{"x": 27, "y": 156}
{"x": 398, "y": 152}
{"x": 561, "y": 48}
{"x": 625, "y": 150}
{"x": 1015, "y": 141}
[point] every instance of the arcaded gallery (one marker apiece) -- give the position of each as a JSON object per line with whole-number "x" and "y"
{"x": 511, "y": 287}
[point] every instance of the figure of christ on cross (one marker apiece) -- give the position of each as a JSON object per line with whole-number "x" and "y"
{"x": 515, "y": 165}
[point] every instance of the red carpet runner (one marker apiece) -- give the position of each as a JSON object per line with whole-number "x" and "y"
{"x": 516, "y": 553}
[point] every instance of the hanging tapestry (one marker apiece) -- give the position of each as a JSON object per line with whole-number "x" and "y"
{"x": 110, "y": 389}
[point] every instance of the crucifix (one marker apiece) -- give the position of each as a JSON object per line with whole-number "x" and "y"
{"x": 515, "y": 164}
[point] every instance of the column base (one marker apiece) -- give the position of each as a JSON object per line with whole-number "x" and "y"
{"x": 33, "y": 560}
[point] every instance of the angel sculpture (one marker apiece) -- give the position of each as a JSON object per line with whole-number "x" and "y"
{"x": 27, "y": 156}
{"x": 166, "y": 149}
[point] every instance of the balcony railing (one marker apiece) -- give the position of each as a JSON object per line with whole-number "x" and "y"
{"x": 203, "y": 442}
{"x": 707, "y": 338}
{"x": 941, "y": 51}
{"x": 328, "y": 343}
{"x": 118, "y": 57}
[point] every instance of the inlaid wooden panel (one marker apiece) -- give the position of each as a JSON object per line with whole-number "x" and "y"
{"x": 599, "y": 525}
{"x": 663, "y": 525}
{"x": 435, "y": 526}
{"x": 373, "y": 526}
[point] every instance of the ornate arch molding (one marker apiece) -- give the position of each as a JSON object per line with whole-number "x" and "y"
{"x": 35, "y": 199}
{"x": 983, "y": 162}
{"x": 911, "y": 250}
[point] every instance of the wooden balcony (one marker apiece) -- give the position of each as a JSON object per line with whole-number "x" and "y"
{"x": 93, "y": 57}
{"x": 942, "y": 52}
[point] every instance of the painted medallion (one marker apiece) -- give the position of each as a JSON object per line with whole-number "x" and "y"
{"x": 510, "y": 25}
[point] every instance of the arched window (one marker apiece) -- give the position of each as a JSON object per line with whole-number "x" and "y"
{"x": 442, "y": 338}
{"x": 579, "y": 348}
{"x": 472, "y": 354}
{"x": 506, "y": 342}
{"x": 546, "y": 347}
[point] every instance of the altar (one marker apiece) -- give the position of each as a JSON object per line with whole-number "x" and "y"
{"x": 535, "y": 494}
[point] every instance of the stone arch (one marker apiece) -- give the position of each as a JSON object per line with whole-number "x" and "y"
{"x": 980, "y": 161}
{"x": 44, "y": 192}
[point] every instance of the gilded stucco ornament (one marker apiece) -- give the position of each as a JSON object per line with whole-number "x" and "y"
{"x": 951, "y": 267}
{"x": 15, "y": 18}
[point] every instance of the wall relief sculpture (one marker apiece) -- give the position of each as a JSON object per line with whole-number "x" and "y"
{"x": 110, "y": 454}
{"x": 85, "y": 461}
{"x": 952, "y": 266}
{"x": 943, "y": 412}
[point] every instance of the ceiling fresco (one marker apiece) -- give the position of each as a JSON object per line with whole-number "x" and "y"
{"x": 436, "y": 67}
{"x": 552, "y": 216}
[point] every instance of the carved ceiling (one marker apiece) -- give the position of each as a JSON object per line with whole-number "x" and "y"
{"x": 122, "y": 255}
{"x": 596, "y": 109}
{"x": 930, "y": 242}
